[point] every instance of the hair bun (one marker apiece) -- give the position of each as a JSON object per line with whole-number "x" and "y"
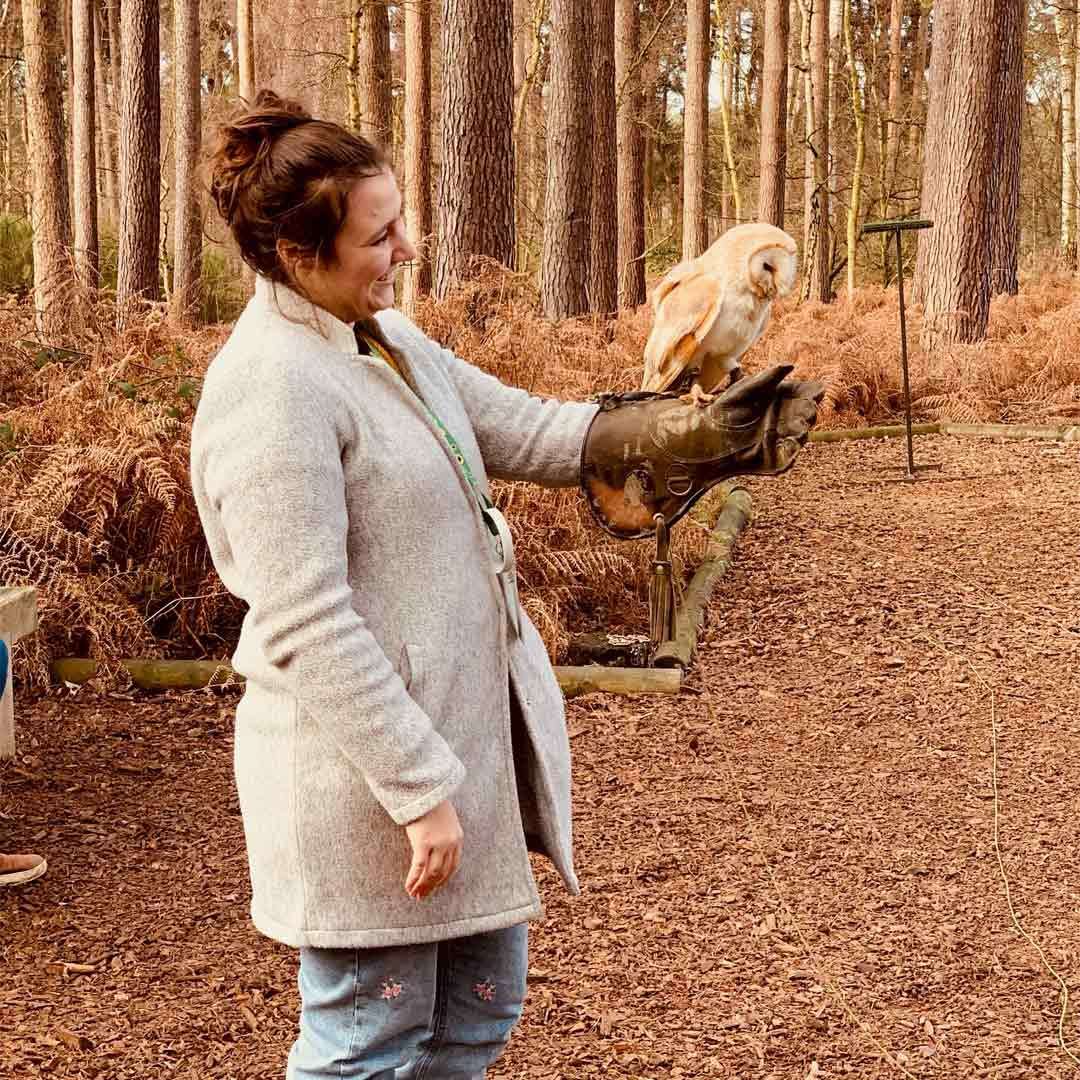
{"x": 244, "y": 143}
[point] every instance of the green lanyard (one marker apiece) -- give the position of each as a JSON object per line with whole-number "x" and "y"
{"x": 455, "y": 449}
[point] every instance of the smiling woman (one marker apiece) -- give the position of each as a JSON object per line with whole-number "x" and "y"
{"x": 401, "y": 737}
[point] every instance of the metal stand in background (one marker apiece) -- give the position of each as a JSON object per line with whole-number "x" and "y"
{"x": 661, "y": 588}
{"x": 898, "y": 226}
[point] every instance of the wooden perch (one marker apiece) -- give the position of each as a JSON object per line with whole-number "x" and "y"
{"x": 1014, "y": 431}
{"x": 690, "y": 616}
{"x": 197, "y": 674}
{"x": 887, "y": 431}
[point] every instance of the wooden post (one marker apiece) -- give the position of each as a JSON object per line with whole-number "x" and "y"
{"x": 18, "y": 617}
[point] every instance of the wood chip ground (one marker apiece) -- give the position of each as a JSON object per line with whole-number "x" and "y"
{"x": 788, "y": 871}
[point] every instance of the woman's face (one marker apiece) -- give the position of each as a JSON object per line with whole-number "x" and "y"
{"x": 368, "y": 249}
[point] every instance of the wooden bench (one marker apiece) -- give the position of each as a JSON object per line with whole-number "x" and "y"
{"x": 18, "y": 617}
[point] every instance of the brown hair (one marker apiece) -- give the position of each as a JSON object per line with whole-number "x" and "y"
{"x": 278, "y": 174}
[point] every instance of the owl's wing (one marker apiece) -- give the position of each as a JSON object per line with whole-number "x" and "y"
{"x": 686, "y": 309}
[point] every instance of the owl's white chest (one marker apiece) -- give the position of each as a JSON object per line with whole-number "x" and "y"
{"x": 739, "y": 324}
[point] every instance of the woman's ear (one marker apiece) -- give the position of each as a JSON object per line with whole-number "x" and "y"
{"x": 293, "y": 258}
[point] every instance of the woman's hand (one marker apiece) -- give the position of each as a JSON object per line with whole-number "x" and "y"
{"x": 436, "y": 840}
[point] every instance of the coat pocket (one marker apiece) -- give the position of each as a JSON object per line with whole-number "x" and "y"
{"x": 411, "y": 669}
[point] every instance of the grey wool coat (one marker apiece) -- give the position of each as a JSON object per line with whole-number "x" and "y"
{"x": 376, "y": 648}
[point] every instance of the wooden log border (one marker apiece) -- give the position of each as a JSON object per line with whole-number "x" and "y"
{"x": 200, "y": 674}
{"x": 1048, "y": 433}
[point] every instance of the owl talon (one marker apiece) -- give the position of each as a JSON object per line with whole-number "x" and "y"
{"x": 697, "y": 397}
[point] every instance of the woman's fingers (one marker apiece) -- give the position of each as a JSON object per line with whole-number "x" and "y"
{"x": 432, "y": 871}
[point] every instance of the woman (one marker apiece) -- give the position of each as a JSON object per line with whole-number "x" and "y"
{"x": 400, "y": 744}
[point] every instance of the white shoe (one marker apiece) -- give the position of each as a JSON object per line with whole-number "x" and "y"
{"x": 19, "y": 869}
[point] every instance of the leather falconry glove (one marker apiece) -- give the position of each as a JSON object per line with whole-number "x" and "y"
{"x": 647, "y": 454}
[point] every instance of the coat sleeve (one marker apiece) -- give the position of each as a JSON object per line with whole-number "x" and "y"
{"x": 521, "y": 436}
{"x": 270, "y": 489}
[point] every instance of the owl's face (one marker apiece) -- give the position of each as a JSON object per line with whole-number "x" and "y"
{"x": 772, "y": 271}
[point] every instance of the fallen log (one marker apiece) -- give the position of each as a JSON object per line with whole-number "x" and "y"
{"x": 690, "y": 615}
{"x": 198, "y": 674}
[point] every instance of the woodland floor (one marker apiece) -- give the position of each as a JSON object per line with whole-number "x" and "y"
{"x": 788, "y": 871}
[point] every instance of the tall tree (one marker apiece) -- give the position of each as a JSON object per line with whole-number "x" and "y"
{"x": 818, "y": 256}
{"x": 892, "y": 120}
{"x": 476, "y": 184}
{"x": 84, "y": 150}
{"x": 564, "y": 270}
{"x": 1005, "y": 175}
{"x": 245, "y": 48}
{"x": 952, "y": 276}
{"x": 140, "y": 156}
{"x": 774, "y": 114}
{"x": 858, "y": 113}
{"x": 631, "y": 156}
{"x": 529, "y": 55}
{"x": 187, "y": 229}
{"x": 106, "y": 124}
{"x": 695, "y": 238}
{"x": 603, "y": 261}
{"x": 418, "y": 146}
{"x": 373, "y": 76}
{"x": 43, "y": 47}
{"x": 1065, "y": 26}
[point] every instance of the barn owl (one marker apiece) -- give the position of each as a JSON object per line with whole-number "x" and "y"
{"x": 708, "y": 311}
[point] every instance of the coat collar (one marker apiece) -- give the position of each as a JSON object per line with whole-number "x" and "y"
{"x": 294, "y": 308}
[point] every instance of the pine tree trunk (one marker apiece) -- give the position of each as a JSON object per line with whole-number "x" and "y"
{"x": 43, "y": 46}
{"x": 727, "y": 91}
{"x": 1005, "y": 175}
{"x": 7, "y": 200}
{"x": 418, "y": 213}
{"x": 1065, "y": 26}
{"x": 106, "y": 125}
{"x": 892, "y": 144}
{"x": 858, "y": 111}
{"x": 771, "y": 195}
{"x": 187, "y": 230}
{"x": 817, "y": 282}
{"x": 245, "y": 48}
{"x": 631, "y": 159}
{"x": 529, "y": 53}
{"x": 603, "y": 264}
{"x": 695, "y": 238}
{"x": 953, "y": 268}
{"x": 523, "y": 44}
{"x": 140, "y": 154}
{"x": 476, "y": 184}
{"x": 84, "y": 149}
{"x": 69, "y": 103}
{"x": 564, "y": 267}
{"x": 374, "y": 80}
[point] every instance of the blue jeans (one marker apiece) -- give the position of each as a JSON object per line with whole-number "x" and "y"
{"x": 442, "y": 1011}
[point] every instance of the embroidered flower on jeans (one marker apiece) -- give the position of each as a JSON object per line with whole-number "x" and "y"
{"x": 485, "y": 990}
{"x": 391, "y": 990}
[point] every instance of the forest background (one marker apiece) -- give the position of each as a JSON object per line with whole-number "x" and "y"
{"x": 555, "y": 158}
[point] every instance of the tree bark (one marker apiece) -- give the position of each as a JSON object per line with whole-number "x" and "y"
{"x": 245, "y": 49}
{"x": 817, "y": 259}
{"x": 1065, "y": 27}
{"x": 140, "y": 157}
{"x": 953, "y": 269}
{"x": 603, "y": 260}
{"x": 858, "y": 110}
{"x": 564, "y": 269}
{"x": 892, "y": 143}
{"x": 1005, "y": 176}
{"x": 630, "y": 167}
{"x": 187, "y": 230}
{"x": 84, "y": 150}
{"x": 374, "y": 78}
{"x": 43, "y": 45}
{"x": 695, "y": 238}
{"x": 728, "y": 83}
{"x": 771, "y": 194}
{"x": 106, "y": 126}
{"x": 476, "y": 184}
{"x": 418, "y": 214}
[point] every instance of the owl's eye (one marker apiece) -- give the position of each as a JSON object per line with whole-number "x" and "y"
{"x": 769, "y": 267}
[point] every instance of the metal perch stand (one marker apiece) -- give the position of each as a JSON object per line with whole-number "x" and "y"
{"x": 898, "y": 226}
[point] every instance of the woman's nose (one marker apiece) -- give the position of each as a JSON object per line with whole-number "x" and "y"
{"x": 406, "y": 250}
